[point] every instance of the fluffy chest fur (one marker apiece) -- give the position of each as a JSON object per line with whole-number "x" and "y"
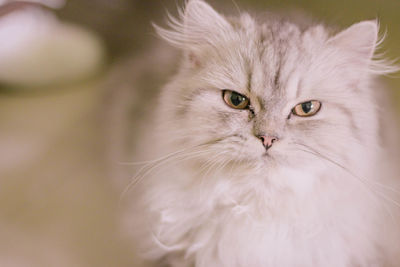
{"x": 229, "y": 223}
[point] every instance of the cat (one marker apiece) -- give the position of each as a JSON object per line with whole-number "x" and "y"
{"x": 268, "y": 148}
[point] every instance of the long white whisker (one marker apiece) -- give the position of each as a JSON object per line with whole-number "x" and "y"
{"x": 156, "y": 164}
{"x": 208, "y": 165}
{"x": 155, "y": 160}
{"x": 364, "y": 181}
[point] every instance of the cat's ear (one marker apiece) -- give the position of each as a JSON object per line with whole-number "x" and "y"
{"x": 198, "y": 25}
{"x": 359, "y": 39}
{"x": 358, "y": 45}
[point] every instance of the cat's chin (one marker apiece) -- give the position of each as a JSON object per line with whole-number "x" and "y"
{"x": 278, "y": 159}
{"x": 270, "y": 159}
{"x": 262, "y": 160}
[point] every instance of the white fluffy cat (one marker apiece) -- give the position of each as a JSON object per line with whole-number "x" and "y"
{"x": 274, "y": 153}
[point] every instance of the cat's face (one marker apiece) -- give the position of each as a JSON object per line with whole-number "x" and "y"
{"x": 272, "y": 93}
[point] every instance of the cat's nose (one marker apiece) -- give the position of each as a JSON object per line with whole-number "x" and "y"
{"x": 267, "y": 140}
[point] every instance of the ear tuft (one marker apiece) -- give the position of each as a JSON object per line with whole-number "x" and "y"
{"x": 200, "y": 18}
{"x": 361, "y": 42}
{"x": 197, "y": 25}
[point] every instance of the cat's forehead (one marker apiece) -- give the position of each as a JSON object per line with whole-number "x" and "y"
{"x": 272, "y": 54}
{"x": 279, "y": 48}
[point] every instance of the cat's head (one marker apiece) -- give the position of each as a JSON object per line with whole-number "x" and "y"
{"x": 272, "y": 92}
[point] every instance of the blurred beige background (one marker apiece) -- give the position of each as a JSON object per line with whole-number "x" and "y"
{"x": 58, "y": 207}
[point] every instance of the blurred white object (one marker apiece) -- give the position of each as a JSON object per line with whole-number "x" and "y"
{"x": 49, "y": 3}
{"x": 37, "y": 49}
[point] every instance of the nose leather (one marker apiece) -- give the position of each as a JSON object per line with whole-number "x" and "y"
{"x": 267, "y": 140}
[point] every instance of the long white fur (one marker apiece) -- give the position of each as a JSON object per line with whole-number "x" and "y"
{"x": 218, "y": 202}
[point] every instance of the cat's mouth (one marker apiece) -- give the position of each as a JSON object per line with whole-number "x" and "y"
{"x": 266, "y": 155}
{"x": 270, "y": 156}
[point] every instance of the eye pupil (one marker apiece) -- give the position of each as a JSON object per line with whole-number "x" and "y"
{"x": 236, "y": 99}
{"x": 307, "y": 106}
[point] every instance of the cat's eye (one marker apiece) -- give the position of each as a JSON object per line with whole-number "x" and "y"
{"x": 235, "y": 100}
{"x": 307, "y": 108}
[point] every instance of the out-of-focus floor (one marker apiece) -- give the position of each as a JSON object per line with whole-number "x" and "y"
{"x": 58, "y": 206}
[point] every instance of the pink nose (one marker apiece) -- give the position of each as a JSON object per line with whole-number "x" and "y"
{"x": 267, "y": 140}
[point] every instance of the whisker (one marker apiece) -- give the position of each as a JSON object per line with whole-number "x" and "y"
{"x": 364, "y": 181}
{"x": 158, "y": 159}
{"x": 143, "y": 173}
{"x": 154, "y": 164}
{"x": 340, "y": 165}
{"x": 219, "y": 166}
{"x": 367, "y": 186}
{"x": 208, "y": 165}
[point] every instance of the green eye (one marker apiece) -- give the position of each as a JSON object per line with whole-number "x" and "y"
{"x": 307, "y": 109}
{"x": 235, "y": 100}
